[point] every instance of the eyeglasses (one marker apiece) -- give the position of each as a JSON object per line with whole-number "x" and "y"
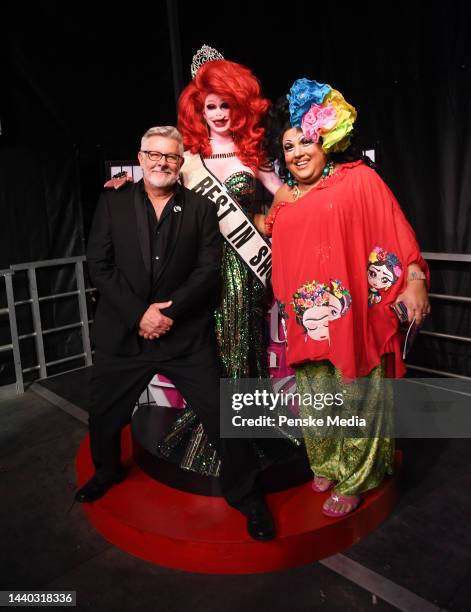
{"x": 170, "y": 158}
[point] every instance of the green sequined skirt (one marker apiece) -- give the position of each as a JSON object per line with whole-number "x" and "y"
{"x": 355, "y": 464}
{"x": 242, "y": 343}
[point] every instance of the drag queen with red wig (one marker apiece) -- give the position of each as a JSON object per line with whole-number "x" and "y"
{"x": 220, "y": 115}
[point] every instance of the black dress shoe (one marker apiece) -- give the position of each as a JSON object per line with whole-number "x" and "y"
{"x": 260, "y": 523}
{"x": 96, "y": 488}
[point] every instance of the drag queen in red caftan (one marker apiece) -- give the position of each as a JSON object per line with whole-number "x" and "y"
{"x": 343, "y": 253}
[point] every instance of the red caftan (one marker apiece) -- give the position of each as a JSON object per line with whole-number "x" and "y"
{"x": 340, "y": 257}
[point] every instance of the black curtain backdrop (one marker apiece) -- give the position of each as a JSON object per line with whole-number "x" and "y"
{"x": 82, "y": 91}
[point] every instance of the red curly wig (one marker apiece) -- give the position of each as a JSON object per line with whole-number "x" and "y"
{"x": 241, "y": 89}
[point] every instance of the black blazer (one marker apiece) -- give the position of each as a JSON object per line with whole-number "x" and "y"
{"x": 119, "y": 261}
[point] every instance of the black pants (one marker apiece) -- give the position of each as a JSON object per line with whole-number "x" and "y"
{"x": 116, "y": 385}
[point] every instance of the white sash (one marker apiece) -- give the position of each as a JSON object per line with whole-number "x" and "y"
{"x": 240, "y": 233}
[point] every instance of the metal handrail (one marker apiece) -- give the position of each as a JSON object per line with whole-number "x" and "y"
{"x": 38, "y": 332}
{"x": 445, "y": 336}
{"x": 46, "y": 298}
{"x": 56, "y": 362}
{"x": 439, "y": 372}
{"x": 31, "y": 369}
{"x": 15, "y": 346}
{"x": 463, "y": 257}
{"x": 52, "y": 296}
{"x": 48, "y": 263}
{"x": 52, "y": 330}
{"x": 454, "y": 298}
{"x": 455, "y": 257}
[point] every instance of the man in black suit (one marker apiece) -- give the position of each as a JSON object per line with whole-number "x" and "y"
{"x": 154, "y": 255}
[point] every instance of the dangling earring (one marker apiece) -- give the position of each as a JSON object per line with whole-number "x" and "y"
{"x": 291, "y": 181}
{"x": 328, "y": 169}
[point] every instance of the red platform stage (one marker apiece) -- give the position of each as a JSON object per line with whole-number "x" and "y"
{"x": 198, "y": 533}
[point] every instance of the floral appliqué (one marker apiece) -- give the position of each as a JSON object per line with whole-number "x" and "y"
{"x": 383, "y": 271}
{"x": 316, "y": 304}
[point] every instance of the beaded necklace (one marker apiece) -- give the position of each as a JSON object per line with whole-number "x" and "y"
{"x": 327, "y": 171}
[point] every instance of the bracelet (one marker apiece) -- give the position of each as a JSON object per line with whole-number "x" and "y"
{"x": 416, "y": 276}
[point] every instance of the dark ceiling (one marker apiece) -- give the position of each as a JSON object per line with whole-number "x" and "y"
{"x": 105, "y": 79}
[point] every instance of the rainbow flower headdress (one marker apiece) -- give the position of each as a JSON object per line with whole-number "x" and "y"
{"x": 319, "y": 111}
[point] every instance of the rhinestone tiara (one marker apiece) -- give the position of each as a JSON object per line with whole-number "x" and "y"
{"x": 203, "y": 55}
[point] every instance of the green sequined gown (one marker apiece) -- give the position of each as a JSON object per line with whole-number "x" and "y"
{"x": 240, "y": 325}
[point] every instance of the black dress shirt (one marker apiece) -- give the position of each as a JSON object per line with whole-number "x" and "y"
{"x": 161, "y": 232}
